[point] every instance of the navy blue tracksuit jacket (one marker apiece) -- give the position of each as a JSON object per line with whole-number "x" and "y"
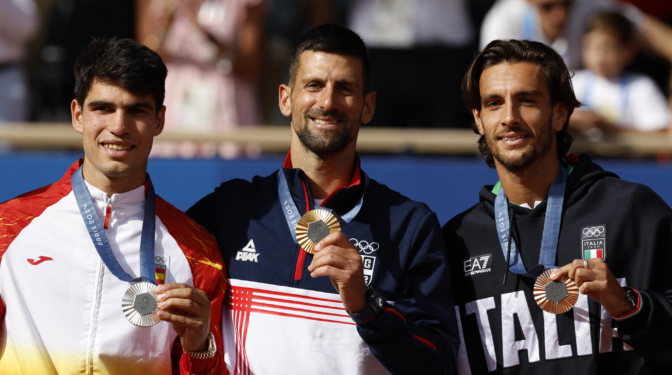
{"x": 278, "y": 319}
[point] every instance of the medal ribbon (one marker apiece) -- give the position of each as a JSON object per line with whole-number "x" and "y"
{"x": 93, "y": 225}
{"x": 549, "y": 242}
{"x": 292, "y": 213}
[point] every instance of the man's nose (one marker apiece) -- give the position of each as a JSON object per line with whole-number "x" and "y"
{"x": 511, "y": 116}
{"x": 120, "y": 123}
{"x": 327, "y": 98}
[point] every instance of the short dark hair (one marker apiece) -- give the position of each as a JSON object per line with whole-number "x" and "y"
{"x": 557, "y": 75}
{"x": 122, "y": 62}
{"x": 613, "y": 23}
{"x": 335, "y": 39}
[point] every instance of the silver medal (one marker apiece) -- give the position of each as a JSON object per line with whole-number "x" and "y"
{"x": 139, "y": 304}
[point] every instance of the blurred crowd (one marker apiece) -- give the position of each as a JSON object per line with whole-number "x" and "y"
{"x": 226, "y": 58}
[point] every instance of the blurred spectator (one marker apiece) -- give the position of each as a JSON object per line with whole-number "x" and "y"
{"x": 18, "y": 23}
{"x": 560, "y": 24}
{"x": 614, "y": 100}
{"x": 213, "y": 51}
{"x": 419, "y": 52}
{"x": 70, "y": 27}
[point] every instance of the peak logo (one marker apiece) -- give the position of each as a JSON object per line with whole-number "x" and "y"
{"x": 248, "y": 253}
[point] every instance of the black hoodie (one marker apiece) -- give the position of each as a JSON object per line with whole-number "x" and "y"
{"x": 502, "y": 328}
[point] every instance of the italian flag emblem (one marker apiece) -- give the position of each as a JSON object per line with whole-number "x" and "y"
{"x": 592, "y": 254}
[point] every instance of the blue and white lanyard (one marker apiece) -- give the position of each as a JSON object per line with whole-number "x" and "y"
{"x": 549, "y": 242}
{"x": 624, "y": 85}
{"x": 100, "y": 241}
{"x": 292, "y": 214}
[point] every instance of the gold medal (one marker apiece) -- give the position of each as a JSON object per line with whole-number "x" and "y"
{"x": 313, "y": 227}
{"x": 555, "y": 296}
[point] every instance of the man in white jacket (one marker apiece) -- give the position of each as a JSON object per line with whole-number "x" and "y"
{"x": 97, "y": 274}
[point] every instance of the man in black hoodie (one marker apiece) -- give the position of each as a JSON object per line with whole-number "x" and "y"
{"x": 557, "y": 210}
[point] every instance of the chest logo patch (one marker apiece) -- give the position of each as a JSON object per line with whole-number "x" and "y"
{"x": 594, "y": 242}
{"x": 367, "y": 249}
{"x": 248, "y": 253}
{"x": 477, "y": 265}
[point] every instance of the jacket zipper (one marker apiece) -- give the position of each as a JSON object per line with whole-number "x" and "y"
{"x": 93, "y": 325}
{"x": 108, "y": 212}
{"x": 97, "y": 294}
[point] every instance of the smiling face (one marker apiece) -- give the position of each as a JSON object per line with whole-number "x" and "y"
{"x": 118, "y": 129}
{"x": 516, "y": 116}
{"x": 327, "y": 103}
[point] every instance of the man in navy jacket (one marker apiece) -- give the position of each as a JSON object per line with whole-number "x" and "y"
{"x": 375, "y": 297}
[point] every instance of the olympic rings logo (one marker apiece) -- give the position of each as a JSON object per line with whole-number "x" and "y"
{"x": 160, "y": 259}
{"x": 365, "y": 246}
{"x": 593, "y": 231}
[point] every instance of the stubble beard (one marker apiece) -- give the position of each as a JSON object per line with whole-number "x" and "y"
{"x": 530, "y": 155}
{"x": 324, "y": 143}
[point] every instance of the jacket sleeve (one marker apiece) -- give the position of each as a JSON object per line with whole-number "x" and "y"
{"x": 213, "y": 365}
{"x": 418, "y": 335}
{"x": 649, "y": 331}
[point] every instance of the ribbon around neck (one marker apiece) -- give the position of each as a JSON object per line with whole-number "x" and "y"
{"x": 292, "y": 214}
{"x": 90, "y": 215}
{"x": 549, "y": 242}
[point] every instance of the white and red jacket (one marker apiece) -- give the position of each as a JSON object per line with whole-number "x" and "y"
{"x": 60, "y": 306}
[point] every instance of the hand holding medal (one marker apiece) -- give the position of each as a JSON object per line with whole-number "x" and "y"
{"x": 597, "y": 282}
{"x": 319, "y": 232}
{"x": 188, "y": 311}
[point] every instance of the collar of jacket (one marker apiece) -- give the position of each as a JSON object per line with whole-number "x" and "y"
{"x": 341, "y": 200}
{"x": 584, "y": 174}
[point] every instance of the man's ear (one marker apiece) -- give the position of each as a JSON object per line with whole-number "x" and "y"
{"x": 478, "y": 121}
{"x": 369, "y": 107}
{"x": 559, "y": 116}
{"x": 285, "y": 100}
{"x": 160, "y": 121}
{"x": 76, "y": 113}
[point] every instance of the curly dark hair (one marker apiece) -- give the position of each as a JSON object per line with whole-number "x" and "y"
{"x": 122, "y": 62}
{"x": 557, "y": 75}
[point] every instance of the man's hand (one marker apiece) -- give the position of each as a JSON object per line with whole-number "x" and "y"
{"x": 188, "y": 310}
{"x": 338, "y": 258}
{"x": 598, "y": 283}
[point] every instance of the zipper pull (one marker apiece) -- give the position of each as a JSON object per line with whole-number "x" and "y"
{"x": 108, "y": 212}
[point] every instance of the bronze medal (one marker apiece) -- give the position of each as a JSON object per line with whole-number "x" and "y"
{"x": 313, "y": 227}
{"x": 555, "y": 296}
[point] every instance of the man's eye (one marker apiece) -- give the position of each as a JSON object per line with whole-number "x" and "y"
{"x": 492, "y": 104}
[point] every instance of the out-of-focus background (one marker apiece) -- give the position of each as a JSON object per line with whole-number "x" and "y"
{"x": 226, "y": 59}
